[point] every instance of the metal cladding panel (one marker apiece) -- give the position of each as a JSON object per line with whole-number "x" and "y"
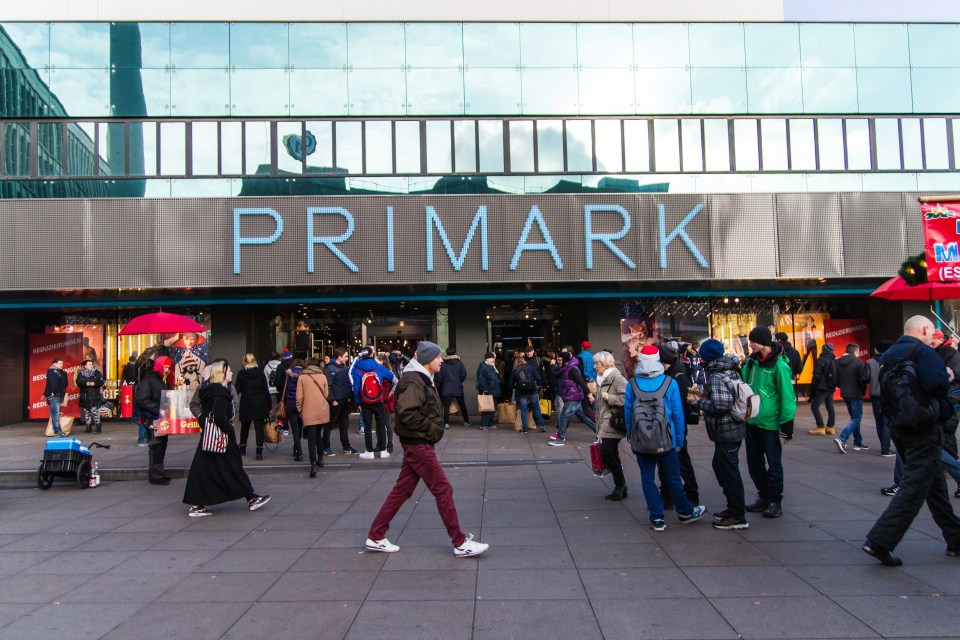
{"x": 743, "y": 232}
{"x": 808, "y": 227}
{"x": 913, "y": 223}
{"x": 873, "y": 232}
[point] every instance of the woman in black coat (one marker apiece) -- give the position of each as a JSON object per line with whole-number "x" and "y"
{"x": 90, "y": 382}
{"x": 255, "y": 403}
{"x": 218, "y": 477}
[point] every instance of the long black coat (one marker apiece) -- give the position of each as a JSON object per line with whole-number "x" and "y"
{"x": 251, "y": 385}
{"x": 217, "y": 477}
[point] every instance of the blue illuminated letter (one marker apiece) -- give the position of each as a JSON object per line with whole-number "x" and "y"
{"x": 679, "y": 230}
{"x": 546, "y": 245}
{"x": 329, "y": 241}
{"x": 479, "y": 220}
{"x": 605, "y": 238}
{"x": 239, "y": 240}
{"x": 390, "y": 239}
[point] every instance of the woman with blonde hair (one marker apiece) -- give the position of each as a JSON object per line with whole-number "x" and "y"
{"x": 255, "y": 404}
{"x": 611, "y": 428}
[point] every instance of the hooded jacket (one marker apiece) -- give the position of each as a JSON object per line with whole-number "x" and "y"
{"x": 826, "y": 360}
{"x": 254, "y": 391}
{"x": 362, "y": 366}
{"x": 290, "y": 395}
{"x": 56, "y": 385}
{"x": 793, "y": 357}
{"x": 851, "y": 377}
{"x": 313, "y": 396}
{"x": 451, "y": 377}
{"x": 147, "y": 395}
{"x": 931, "y": 374}
{"x": 488, "y": 380}
{"x": 772, "y": 380}
{"x": 648, "y": 379}
{"x": 951, "y": 358}
{"x": 716, "y": 406}
{"x": 615, "y": 385}
{"x": 217, "y": 400}
{"x": 419, "y": 411}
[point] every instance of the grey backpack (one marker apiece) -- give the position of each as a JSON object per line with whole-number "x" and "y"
{"x": 650, "y": 432}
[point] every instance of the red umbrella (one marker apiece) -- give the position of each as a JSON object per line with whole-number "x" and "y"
{"x": 897, "y": 289}
{"x": 160, "y": 322}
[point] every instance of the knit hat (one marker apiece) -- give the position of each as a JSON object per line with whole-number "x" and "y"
{"x": 160, "y": 363}
{"x": 366, "y": 352}
{"x": 782, "y": 337}
{"x": 585, "y": 344}
{"x": 488, "y": 355}
{"x": 669, "y": 353}
{"x": 286, "y": 354}
{"x": 427, "y": 351}
{"x": 529, "y": 348}
{"x": 649, "y": 364}
{"x": 710, "y": 350}
{"x": 883, "y": 345}
{"x": 761, "y": 335}
{"x": 938, "y": 335}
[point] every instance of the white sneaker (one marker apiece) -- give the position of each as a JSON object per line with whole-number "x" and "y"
{"x": 381, "y": 545}
{"x": 470, "y": 548}
{"x": 384, "y": 454}
{"x": 367, "y": 455}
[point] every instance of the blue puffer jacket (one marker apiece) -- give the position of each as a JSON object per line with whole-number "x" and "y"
{"x": 586, "y": 359}
{"x": 488, "y": 380}
{"x": 672, "y": 401}
{"x": 363, "y": 366}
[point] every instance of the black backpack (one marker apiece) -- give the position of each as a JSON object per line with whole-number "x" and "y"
{"x": 273, "y": 377}
{"x": 650, "y": 432}
{"x": 523, "y": 379}
{"x": 829, "y": 374}
{"x": 902, "y": 399}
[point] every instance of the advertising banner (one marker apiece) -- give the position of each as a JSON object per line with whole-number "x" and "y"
{"x": 175, "y": 415}
{"x": 92, "y": 339}
{"x": 806, "y": 332}
{"x": 840, "y": 333}
{"x": 941, "y": 238}
{"x": 44, "y": 347}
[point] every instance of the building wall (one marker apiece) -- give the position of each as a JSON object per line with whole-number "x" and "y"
{"x": 13, "y": 367}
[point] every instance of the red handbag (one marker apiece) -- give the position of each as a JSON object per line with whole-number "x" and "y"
{"x": 599, "y": 466}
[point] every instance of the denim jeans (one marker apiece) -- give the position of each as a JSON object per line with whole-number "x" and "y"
{"x": 648, "y": 476}
{"x": 855, "y": 407}
{"x": 54, "y": 403}
{"x": 571, "y": 407}
{"x": 883, "y": 428}
{"x": 531, "y": 400}
{"x": 143, "y": 433}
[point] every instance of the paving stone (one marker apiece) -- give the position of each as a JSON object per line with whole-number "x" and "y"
{"x": 645, "y": 583}
{"x": 347, "y": 558}
{"x": 152, "y": 562}
{"x": 719, "y": 553}
{"x": 314, "y": 620}
{"x": 424, "y": 585}
{"x": 49, "y": 542}
{"x": 945, "y": 578}
{"x": 61, "y": 620}
{"x": 220, "y": 587}
{"x": 716, "y": 582}
{"x": 40, "y": 589}
{"x": 795, "y": 617}
{"x": 542, "y": 584}
{"x": 874, "y": 579}
{"x": 247, "y": 560}
{"x": 412, "y": 558}
{"x": 513, "y": 536}
{"x": 321, "y": 585}
{"x": 616, "y": 556}
{"x": 678, "y": 619}
{"x": 198, "y": 540}
{"x": 827, "y": 552}
{"x": 535, "y": 556}
{"x": 534, "y": 620}
{"x": 936, "y": 616}
{"x": 117, "y": 541}
{"x": 10, "y": 612}
{"x": 261, "y": 539}
{"x": 443, "y": 620}
{"x": 176, "y": 620}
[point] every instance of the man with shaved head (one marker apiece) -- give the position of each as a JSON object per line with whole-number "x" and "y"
{"x": 918, "y": 449}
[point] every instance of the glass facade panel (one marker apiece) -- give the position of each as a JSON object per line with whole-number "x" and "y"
{"x": 83, "y": 92}
{"x": 521, "y": 147}
{"x": 579, "y": 146}
{"x": 716, "y": 142}
{"x": 661, "y": 45}
{"x": 231, "y": 149}
{"x": 349, "y": 147}
{"x": 637, "y": 145}
{"x": 199, "y": 45}
{"x": 934, "y": 45}
{"x": 936, "y": 90}
{"x": 666, "y": 143}
{"x": 33, "y": 40}
{"x": 606, "y": 91}
{"x": 439, "y": 147}
{"x": 604, "y": 45}
{"x": 435, "y": 92}
{"x": 550, "y": 146}
{"x": 690, "y": 134}
{"x": 935, "y": 149}
{"x": 773, "y": 144}
{"x": 803, "y": 154}
{"x": 205, "y": 148}
{"x": 172, "y": 149}
{"x": 434, "y": 45}
{"x": 408, "y": 147}
{"x": 375, "y": 92}
{"x": 375, "y": 45}
{"x": 262, "y": 45}
{"x": 200, "y": 92}
{"x": 491, "y": 45}
{"x": 154, "y": 46}
{"x": 259, "y": 92}
{"x": 912, "y": 149}
{"x": 465, "y": 146}
{"x": 379, "y": 147}
{"x": 315, "y": 92}
{"x": 772, "y": 45}
{"x": 888, "y": 144}
{"x": 716, "y": 45}
{"x": 881, "y": 45}
{"x": 549, "y": 91}
{"x": 256, "y": 151}
{"x": 829, "y": 91}
{"x": 150, "y": 136}
{"x": 609, "y": 146}
{"x": 548, "y": 45}
{"x": 318, "y": 46}
{"x": 747, "y": 145}
{"x": 884, "y": 90}
{"x": 719, "y": 90}
{"x": 492, "y": 91}
{"x": 79, "y": 45}
{"x": 491, "y": 146}
{"x": 827, "y": 45}
{"x": 663, "y": 91}
{"x": 156, "y": 92}
{"x": 830, "y": 141}
{"x": 858, "y": 145}
{"x": 774, "y": 91}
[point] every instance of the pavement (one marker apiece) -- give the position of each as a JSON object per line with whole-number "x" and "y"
{"x": 124, "y": 561}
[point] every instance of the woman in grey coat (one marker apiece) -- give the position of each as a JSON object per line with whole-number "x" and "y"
{"x": 612, "y": 387}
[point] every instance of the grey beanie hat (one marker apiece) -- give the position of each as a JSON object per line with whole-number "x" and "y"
{"x": 427, "y": 351}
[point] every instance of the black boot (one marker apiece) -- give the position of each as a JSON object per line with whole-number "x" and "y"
{"x": 243, "y": 449}
{"x": 89, "y": 429}
{"x": 313, "y": 470}
{"x": 619, "y": 493}
{"x": 259, "y": 453}
{"x": 97, "y": 430}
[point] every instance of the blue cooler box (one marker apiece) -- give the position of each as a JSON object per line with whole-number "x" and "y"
{"x": 64, "y": 444}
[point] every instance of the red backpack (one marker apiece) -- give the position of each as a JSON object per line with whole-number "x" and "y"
{"x": 371, "y": 388}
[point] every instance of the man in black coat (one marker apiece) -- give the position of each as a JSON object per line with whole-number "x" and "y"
{"x": 821, "y": 390}
{"x": 54, "y": 392}
{"x": 451, "y": 377}
{"x": 948, "y": 353}
{"x": 796, "y": 366}
{"x": 918, "y": 447}
{"x": 852, "y": 378}
{"x": 149, "y": 393}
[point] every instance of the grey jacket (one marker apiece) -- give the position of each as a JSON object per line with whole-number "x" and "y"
{"x": 873, "y": 368}
{"x": 616, "y": 387}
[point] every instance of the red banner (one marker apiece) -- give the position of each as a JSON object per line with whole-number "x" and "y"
{"x": 941, "y": 234}
{"x": 840, "y": 333}
{"x": 44, "y": 347}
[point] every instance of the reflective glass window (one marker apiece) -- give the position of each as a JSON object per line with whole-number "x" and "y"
{"x": 777, "y": 182}
{"x": 829, "y": 182}
{"x": 934, "y": 45}
{"x": 937, "y": 182}
{"x": 858, "y": 144}
{"x": 884, "y": 90}
{"x": 830, "y": 144}
{"x": 774, "y": 90}
{"x": 827, "y": 45}
{"x": 912, "y": 149}
{"x": 259, "y": 92}
{"x": 935, "y": 143}
{"x": 829, "y": 91}
{"x": 262, "y": 45}
{"x": 716, "y": 142}
{"x": 318, "y": 92}
{"x": 746, "y": 145}
{"x": 150, "y": 134}
{"x": 549, "y": 91}
{"x": 492, "y": 91}
{"x": 663, "y": 91}
{"x": 322, "y": 157}
{"x": 936, "y": 90}
{"x": 716, "y": 45}
{"x": 609, "y": 145}
{"x": 661, "y": 45}
{"x": 79, "y": 45}
{"x": 318, "y": 46}
{"x": 205, "y": 148}
{"x": 154, "y": 45}
{"x": 491, "y": 145}
{"x": 200, "y": 92}
{"x": 956, "y": 142}
{"x": 889, "y": 182}
{"x": 887, "y": 132}
{"x": 195, "y": 45}
{"x": 636, "y": 139}
{"x": 719, "y": 90}
{"x": 408, "y": 147}
{"x": 435, "y": 92}
{"x": 349, "y": 147}
{"x": 604, "y": 45}
{"x": 377, "y": 92}
{"x": 521, "y": 147}
{"x": 491, "y": 45}
{"x": 33, "y": 40}
{"x": 256, "y": 150}
{"x": 439, "y": 147}
{"x": 579, "y": 146}
{"x": 231, "y": 147}
{"x": 172, "y": 149}
{"x": 83, "y": 92}
{"x": 803, "y": 153}
{"x": 606, "y": 91}
{"x": 772, "y": 45}
{"x": 548, "y": 45}
{"x": 881, "y": 45}
{"x": 375, "y": 45}
{"x": 773, "y": 144}
{"x": 156, "y": 91}
{"x": 666, "y": 143}
{"x": 691, "y": 145}
{"x": 465, "y": 146}
{"x": 434, "y": 45}
{"x": 379, "y": 147}
{"x": 550, "y": 146}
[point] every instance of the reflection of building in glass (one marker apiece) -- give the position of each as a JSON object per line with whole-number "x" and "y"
{"x": 23, "y": 94}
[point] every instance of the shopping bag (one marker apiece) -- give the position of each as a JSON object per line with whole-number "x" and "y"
{"x": 66, "y": 425}
{"x": 271, "y": 433}
{"x": 485, "y": 403}
{"x": 507, "y": 412}
{"x": 599, "y": 466}
{"x": 281, "y": 410}
{"x": 454, "y": 408}
{"x": 545, "y": 408}
{"x": 518, "y": 421}
{"x": 214, "y": 440}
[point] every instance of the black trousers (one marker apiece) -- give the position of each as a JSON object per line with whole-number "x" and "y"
{"x": 296, "y": 428}
{"x": 819, "y": 397}
{"x": 447, "y": 401}
{"x": 339, "y": 419}
{"x": 245, "y": 431}
{"x": 312, "y": 433}
{"x": 374, "y": 412}
{"x": 156, "y": 452}
{"x": 921, "y": 481}
{"x": 950, "y": 434}
{"x": 610, "y": 454}
{"x": 690, "y": 487}
{"x": 726, "y": 466}
{"x": 765, "y": 462}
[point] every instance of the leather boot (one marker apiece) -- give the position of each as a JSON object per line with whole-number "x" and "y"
{"x": 243, "y": 449}
{"x": 619, "y": 493}
{"x": 89, "y": 429}
{"x": 829, "y": 431}
{"x": 819, "y": 431}
{"x": 259, "y": 453}
{"x": 313, "y": 470}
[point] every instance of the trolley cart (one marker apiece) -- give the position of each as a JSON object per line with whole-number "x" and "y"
{"x": 66, "y": 458}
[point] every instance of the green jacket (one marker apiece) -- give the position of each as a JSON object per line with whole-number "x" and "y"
{"x": 772, "y": 380}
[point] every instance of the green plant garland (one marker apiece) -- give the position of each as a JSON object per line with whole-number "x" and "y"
{"x": 914, "y": 270}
